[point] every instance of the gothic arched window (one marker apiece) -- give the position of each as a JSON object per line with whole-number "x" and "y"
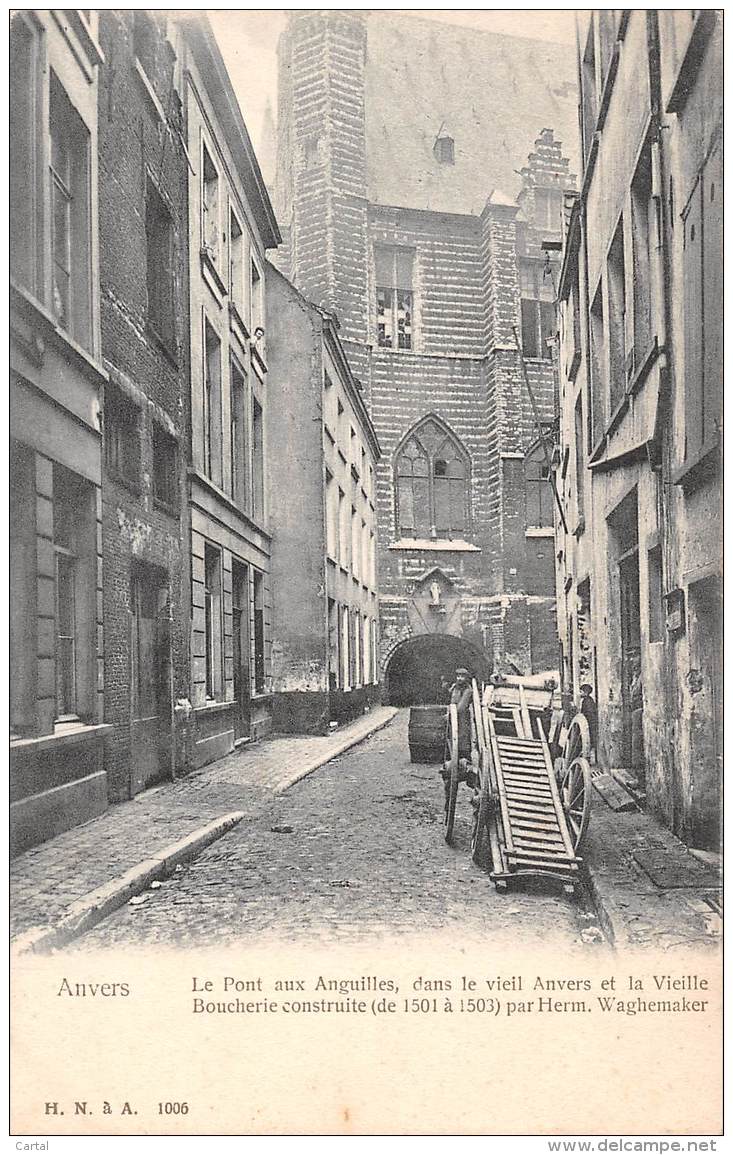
{"x": 431, "y": 483}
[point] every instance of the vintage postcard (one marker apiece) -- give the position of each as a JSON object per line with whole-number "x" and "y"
{"x": 366, "y": 574}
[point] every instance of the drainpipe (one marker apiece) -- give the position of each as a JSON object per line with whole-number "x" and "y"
{"x": 662, "y": 432}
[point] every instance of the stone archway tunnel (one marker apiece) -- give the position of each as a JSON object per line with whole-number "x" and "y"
{"x": 418, "y": 665}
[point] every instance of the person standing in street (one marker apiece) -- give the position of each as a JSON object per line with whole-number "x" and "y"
{"x": 589, "y": 710}
{"x": 461, "y": 697}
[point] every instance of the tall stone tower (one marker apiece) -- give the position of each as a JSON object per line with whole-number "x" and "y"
{"x": 415, "y": 184}
{"x": 321, "y": 184}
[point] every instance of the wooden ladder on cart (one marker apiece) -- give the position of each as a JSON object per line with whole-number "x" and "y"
{"x": 535, "y": 825}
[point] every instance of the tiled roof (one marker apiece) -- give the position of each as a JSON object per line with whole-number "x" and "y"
{"x": 492, "y": 93}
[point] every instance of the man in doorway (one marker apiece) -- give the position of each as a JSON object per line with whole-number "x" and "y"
{"x": 589, "y": 710}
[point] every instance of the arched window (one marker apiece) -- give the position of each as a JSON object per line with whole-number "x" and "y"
{"x": 539, "y": 494}
{"x": 431, "y": 483}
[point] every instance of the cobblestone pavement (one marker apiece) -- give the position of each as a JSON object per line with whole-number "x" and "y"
{"x": 352, "y": 852}
{"x": 48, "y": 878}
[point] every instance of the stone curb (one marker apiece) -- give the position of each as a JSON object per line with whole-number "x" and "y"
{"x": 91, "y": 908}
{"x": 613, "y": 927}
{"x": 329, "y": 755}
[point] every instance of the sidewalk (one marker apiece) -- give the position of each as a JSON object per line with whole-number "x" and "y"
{"x": 648, "y": 888}
{"x": 97, "y": 867}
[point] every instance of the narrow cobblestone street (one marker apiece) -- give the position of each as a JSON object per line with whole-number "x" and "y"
{"x": 353, "y": 851}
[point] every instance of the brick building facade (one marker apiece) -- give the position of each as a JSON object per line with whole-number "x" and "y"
{"x": 143, "y": 175}
{"x": 322, "y": 454}
{"x": 403, "y": 211}
{"x": 639, "y": 579}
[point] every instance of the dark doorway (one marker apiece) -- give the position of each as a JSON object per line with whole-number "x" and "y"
{"x": 417, "y": 667}
{"x": 241, "y": 650}
{"x": 150, "y": 678}
{"x": 631, "y": 693}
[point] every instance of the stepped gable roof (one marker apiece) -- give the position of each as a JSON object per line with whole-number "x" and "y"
{"x": 492, "y": 93}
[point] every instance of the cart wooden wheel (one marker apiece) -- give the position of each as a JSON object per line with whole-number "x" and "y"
{"x": 577, "y": 743}
{"x": 575, "y": 792}
{"x": 480, "y": 826}
{"x": 450, "y": 765}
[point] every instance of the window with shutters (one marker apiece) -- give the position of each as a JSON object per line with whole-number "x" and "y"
{"x": 431, "y": 483}
{"x": 210, "y": 206}
{"x": 393, "y": 275}
{"x": 539, "y": 322}
{"x": 597, "y": 407}
{"x": 538, "y": 489}
{"x": 616, "y": 281}
{"x": 703, "y": 296}
{"x": 643, "y": 222}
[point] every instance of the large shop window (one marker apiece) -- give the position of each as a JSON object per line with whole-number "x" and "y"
{"x": 431, "y": 483}
{"x": 74, "y": 580}
{"x": 23, "y": 617}
{"x": 393, "y": 274}
{"x": 259, "y": 630}
{"x": 213, "y": 622}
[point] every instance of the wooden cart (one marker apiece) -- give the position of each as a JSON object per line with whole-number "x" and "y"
{"x": 533, "y": 814}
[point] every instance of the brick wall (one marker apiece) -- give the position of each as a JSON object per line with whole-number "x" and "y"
{"x": 134, "y": 147}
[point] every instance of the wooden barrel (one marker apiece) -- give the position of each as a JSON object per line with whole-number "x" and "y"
{"x": 426, "y": 733}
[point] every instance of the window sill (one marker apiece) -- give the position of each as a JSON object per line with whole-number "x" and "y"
{"x": 573, "y": 366}
{"x": 608, "y": 87}
{"x": 704, "y": 25}
{"x": 213, "y": 707}
{"x": 537, "y": 360}
{"x": 226, "y": 499}
{"x": 454, "y": 545}
{"x": 539, "y": 531}
{"x": 150, "y": 91}
{"x": 617, "y": 416}
{"x": 698, "y": 470}
{"x": 211, "y": 273}
{"x": 36, "y": 312}
{"x": 169, "y": 351}
{"x": 258, "y": 359}
{"x": 236, "y": 323}
{"x": 72, "y": 735}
